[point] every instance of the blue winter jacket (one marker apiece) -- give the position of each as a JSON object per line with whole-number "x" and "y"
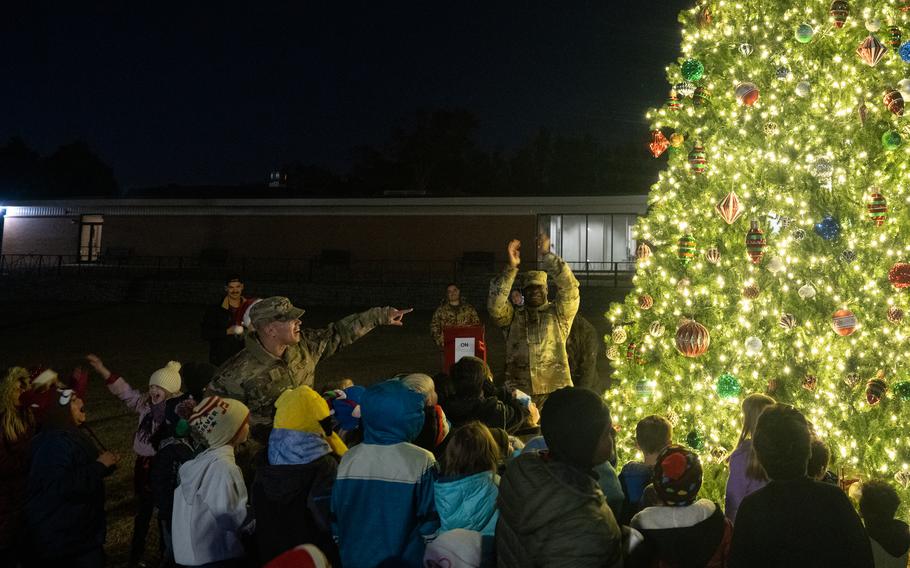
{"x": 468, "y": 502}
{"x": 382, "y": 500}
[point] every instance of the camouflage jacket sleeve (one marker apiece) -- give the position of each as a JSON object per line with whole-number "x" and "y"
{"x": 567, "y": 298}
{"x": 436, "y": 325}
{"x": 498, "y": 304}
{"x": 322, "y": 343}
{"x": 473, "y": 318}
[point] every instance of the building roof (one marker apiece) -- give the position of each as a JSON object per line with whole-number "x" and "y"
{"x": 533, "y": 205}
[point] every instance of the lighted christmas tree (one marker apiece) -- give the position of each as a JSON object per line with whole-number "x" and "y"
{"x": 773, "y": 255}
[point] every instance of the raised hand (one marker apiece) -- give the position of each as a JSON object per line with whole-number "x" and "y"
{"x": 396, "y": 315}
{"x": 514, "y": 250}
{"x": 109, "y": 459}
{"x": 543, "y": 244}
{"x": 97, "y": 364}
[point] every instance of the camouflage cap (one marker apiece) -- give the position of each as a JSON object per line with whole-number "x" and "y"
{"x": 534, "y": 278}
{"x": 276, "y": 308}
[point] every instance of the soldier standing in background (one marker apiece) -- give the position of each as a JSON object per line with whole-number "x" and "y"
{"x": 451, "y": 312}
{"x": 536, "y": 360}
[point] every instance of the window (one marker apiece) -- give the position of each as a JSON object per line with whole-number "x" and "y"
{"x": 90, "y": 237}
{"x": 592, "y": 242}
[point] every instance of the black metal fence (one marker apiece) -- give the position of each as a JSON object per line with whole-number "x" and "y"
{"x": 312, "y": 269}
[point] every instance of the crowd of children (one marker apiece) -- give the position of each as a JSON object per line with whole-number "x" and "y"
{"x": 417, "y": 472}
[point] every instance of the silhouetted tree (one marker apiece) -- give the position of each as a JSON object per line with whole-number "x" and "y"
{"x": 74, "y": 170}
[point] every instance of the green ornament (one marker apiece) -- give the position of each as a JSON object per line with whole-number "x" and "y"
{"x": 643, "y": 388}
{"x": 692, "y": 70}
{"x": 804, "y": 33}
{"x": 902, "y": 390}
{"x": 728, "y": 386}
{"x": 891, "y": 140}
{"x": 686, "y": 248}
{"x": 695, "y": 440}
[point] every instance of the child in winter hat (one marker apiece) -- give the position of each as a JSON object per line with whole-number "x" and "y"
{"x": 302, "y": 428}
{"x": 163, "y": 385}
{"x": 677, "y": 476}
{"x": 218, "y": 420}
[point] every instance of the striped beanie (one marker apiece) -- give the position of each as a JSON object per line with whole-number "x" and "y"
{"x": 218, "y": 419}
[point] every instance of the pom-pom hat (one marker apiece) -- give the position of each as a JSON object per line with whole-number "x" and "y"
{"x": 167, "y": 377}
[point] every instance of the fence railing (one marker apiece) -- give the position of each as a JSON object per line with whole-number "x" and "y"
{"x": 312, "y": 269}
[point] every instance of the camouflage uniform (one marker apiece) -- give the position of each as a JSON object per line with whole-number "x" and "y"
{"x": 582, "y": 348}
{"x": 536, "y": 360}
{"x": 447, "y": 315}
{"x": 257, "y": 378}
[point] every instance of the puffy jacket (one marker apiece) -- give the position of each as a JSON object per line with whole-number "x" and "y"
{"x": 257, "y": 378}
{"x": 292, "y": 504}
{"x": 382, "y": 500}
{"x": 468, "y": 502}
{"x": 210, "y": 507}
{"x": 552, "y": 514}
{"x": 696, "y": 536}
{"x": 536, "y": 359}
{"x": 141, "y": 404}
{"x": 65, "y": 495}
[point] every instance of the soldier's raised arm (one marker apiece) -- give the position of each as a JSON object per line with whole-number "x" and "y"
{"x": 322, "y": 343}
{"x": 498, "y": 304}
{"x": 567, "y": 297}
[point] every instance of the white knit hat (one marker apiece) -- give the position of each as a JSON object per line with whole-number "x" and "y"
{"x": 218, "y": 419}
{"x": 168, "y": 377}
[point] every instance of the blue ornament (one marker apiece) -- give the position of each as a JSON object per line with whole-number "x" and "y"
{"x": 904, "y": 52}
{"x": 828, "y": 228}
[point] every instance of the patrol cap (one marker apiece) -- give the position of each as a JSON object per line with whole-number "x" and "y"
{"x": 534, "y": 278}
{"x": 276, "y": 308}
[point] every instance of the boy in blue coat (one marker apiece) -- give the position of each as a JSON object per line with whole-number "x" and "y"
{"x": 382, "y": 500}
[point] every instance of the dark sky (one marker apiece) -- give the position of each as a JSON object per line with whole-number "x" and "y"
{"x": 215, "y": 93}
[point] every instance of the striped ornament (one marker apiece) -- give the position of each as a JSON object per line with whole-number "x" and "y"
{"x": 755, "y": 243}
{"x": 692, "y": 339}
{"x": 843, "y": 322}
{"x": 686, "y": 247}
{"x": 698, "y": 159}
{"x": 878, "y": 209}
{"x": 894, "y": 102}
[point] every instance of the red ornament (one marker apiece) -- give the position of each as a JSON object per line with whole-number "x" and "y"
{"x": 895, "y": 314}
{"x": 692, "y": 339}
{"x": 899, "y": 275}
{"x": 659, "y": 143}
{"x": 755, "y": 243}
{"x": 894, "y": 102}
{"x": 843, "y": 322}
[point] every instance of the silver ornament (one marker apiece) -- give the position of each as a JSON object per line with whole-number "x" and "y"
{"x": 903, "y": 477}
{"x": 848, "y": 256}
{"x": 851, "y": 379}
{"x": 771, "y": 129}
{"x": 745, "y": 48}
{"x": 657, "y": 329}
{"x": 824, "y": 170}
{"x": 619, "y": 335}
{"x": 685, "y": 89}
{"x": 806, "y": 292}
{"x": 873, "y": 24}
{"x": 783, "y": 73}
{"x": 803, "y": 89}
{"x": 712, "y": 255}
{"x": 753, "y": 345}
{"x": 798, "y": 234}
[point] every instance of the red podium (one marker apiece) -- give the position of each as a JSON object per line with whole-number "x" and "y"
{"x": 459, "y": 341}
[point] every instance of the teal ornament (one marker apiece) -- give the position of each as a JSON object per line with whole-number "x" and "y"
{"x": 643, "y": 388}
{"x": 828, "y": 228}
{"x": 804, "y": 33}
{"x": 902, "y": 390}
{"x": 692, "y": 70}
{"x": 695, "y": 440}
{"x": 891, "y": 140}
{"x": 728, "y": 386}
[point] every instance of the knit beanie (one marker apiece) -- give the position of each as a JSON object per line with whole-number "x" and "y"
{"x": 303, "y": 409}
{"x": 347, "y": 409}
{"x": 457, "y": 548}
{"x": 303, "y": 556}
{"x": 167, "y": 377}
{"x": 572, "y": 422}
{"x": 218, "y": 419}
{"x": 677, "y": 476}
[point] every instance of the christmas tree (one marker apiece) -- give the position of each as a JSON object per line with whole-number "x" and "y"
{"x": 776, "y": 247}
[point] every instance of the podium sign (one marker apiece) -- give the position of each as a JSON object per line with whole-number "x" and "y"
{"x": 462, "y": 341}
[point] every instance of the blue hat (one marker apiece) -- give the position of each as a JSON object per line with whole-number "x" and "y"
{"x": 345, "y": 407}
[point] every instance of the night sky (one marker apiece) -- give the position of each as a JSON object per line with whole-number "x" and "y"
{"x": 222, "y": 94}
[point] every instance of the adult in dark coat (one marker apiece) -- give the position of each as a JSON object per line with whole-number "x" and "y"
{"x": 582, "y": 347}
{"x": 222, "y": 324}
{"x": 65, "y": 493}
{"x": 16, "y": 431}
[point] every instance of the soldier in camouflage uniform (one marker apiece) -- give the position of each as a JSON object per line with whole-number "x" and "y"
{"x": 452, "y": 311}
{"x": 536, "y": 360}
{"x": 278, "y": 355}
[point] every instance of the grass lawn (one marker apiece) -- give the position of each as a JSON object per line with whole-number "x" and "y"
{"x": 136, "y": 339}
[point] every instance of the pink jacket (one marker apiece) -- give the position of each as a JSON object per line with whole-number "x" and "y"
{"x": 141, "y": 405}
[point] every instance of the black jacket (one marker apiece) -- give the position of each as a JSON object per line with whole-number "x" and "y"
{"x": 292, "y": 504}
{"x": 504, "y": 412}
{"x": 65, "y": 495}
{"x": 214, "y": 326}
{"x": 682, "y": 540}
{"x": 163, "y": 475}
